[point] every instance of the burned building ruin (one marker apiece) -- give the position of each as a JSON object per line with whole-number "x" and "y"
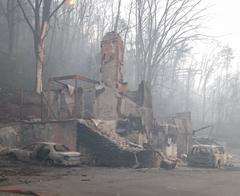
{"x": 104, "y": 120}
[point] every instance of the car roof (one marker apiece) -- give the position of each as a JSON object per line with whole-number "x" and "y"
{"x": 48, "y": 143}
{"x": 206, "y": 146}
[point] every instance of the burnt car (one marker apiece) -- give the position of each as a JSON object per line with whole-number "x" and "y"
{"x": 206, "y": 156}
{"x": 47, "y": 153}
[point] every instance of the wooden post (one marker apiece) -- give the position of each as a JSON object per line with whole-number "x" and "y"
{"x": 41, "y": 106}
{"x": 76, "y": 99}
{"x": 82, "y": 104}
{"x": 48, "y": 97}
{"x": 21, "y": 107}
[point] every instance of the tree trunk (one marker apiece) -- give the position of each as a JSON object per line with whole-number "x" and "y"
{"x": 117, "y": 17}
{"x": 40, "y": 57}
{"x": 39, "y": 69}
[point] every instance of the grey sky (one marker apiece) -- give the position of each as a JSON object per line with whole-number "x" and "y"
{"x": 224, "y": 21}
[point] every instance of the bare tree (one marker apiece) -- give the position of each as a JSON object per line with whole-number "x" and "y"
{"x": 128, "y": 26}
{"x": 227, "y": 56}
{"x": 161, "y": 26}
{"x": 9, "y": 12}
{"x": 207, "y": 67}
{"x": 42, "y": 12}
{"x": 118, "y": 16}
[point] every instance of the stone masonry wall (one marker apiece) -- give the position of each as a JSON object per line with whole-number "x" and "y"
{"x": 21, "y": 134}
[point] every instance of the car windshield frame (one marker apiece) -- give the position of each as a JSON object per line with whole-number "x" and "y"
{"x": 29, "y": 147}
{"x": 203, "y": 150}
{"x": 60, "y": 148}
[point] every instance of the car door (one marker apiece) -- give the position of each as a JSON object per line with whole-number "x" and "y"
{"x": 220, "y": 154}
{"x": 25, "y": 154}
{"x": 42, "y": 152}
{"x": 192, "y": 155}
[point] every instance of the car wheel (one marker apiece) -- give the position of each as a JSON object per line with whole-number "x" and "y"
{"x": 12, "y": 157}
{"x": 49, "y": 163}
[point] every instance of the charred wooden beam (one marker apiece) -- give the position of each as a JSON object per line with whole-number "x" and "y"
{"x": 73, "y": 77}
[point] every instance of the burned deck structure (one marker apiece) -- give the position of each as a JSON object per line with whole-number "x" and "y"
{"x": 65, "y": 96}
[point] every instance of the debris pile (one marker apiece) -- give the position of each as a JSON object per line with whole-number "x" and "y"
{"x": 105, "y": 129}
{"x": 110, "y": 149}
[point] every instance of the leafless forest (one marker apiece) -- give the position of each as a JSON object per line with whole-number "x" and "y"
{"x": 162, "y": 38}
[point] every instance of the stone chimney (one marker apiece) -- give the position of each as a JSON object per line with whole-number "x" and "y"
{"x": 112, "y": 62}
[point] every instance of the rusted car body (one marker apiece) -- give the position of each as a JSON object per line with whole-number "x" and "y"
{"x": 47, "y": 153}
{"x": 206, "y": 156}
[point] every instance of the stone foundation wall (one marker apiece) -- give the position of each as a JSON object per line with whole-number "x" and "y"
{"x": 21, "y": 134}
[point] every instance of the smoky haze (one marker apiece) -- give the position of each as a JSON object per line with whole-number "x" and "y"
{"x": 205, "y": 82}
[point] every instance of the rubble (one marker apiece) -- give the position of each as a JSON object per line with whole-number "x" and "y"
{"x": 110, "y": 149}
{"x": 174, "y": 135}
{"x": 168, "y": 164}
{"x": 106, "y": 130}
